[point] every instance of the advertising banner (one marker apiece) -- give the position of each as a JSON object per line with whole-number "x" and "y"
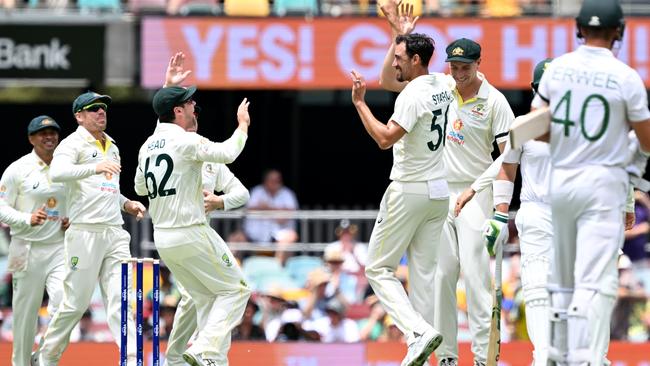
{"x": 292, "y": 53}
{"x": 72, "y": 53}
{"x": 320, "y": 354}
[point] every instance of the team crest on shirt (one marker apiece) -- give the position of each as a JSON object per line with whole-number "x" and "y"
{"x": 51, "y": 202}
{"x": 73, "y": 263}
{"x": 478, "y": 111}
{"x": 226, "y": 260}
{"x": 208, "y": 168}
{"x": 115, "y": 156}
{"x": 455, "y": 134}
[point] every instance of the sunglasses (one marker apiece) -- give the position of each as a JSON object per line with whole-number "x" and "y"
{"x": 95, "y": 107}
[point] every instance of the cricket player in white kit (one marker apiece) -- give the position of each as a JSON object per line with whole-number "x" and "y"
{"x": 34, "y": 209}
{"x": 169, "y": 172}
{"x": 594, "y": 99}
{"x": 414, "y": 206}
{"x": 534, "y": 227}
{"x": 88, "y": 163}
{"x": 478, "y": 116}
{"x": 216, "y": 178}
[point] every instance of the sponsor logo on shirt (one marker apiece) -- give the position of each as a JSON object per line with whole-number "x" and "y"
{"x": 51, "y": 202}
{"x": 109, "y": 187}
{"x": 94, "y": 155}
{"x": 108, "y": 175}
{"x": 3, "y": 192}
{"x": 455, "y": 134}
{"x": 36, "y": 185}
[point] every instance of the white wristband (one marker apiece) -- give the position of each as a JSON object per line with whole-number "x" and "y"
{"x": 502, "y": 191}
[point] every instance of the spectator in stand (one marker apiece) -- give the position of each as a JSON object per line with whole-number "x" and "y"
{"x": 247, "y": 330}
{"x": 4, "y": 334}
{"x": 354, "y": 254}
{"x": 291, "y": 327}
{"x": 167, "y": 313}
{"x": 340, "y": 281}
{"x": 273, "y": 305}
{"x": 271, "y": 195}
{"x": 630, "y": 301}
{"x": 372, "y": 327}
{"x": 336, "y": 327}
{"x": 391, "y": 332}
{"x": 637, "y": 237}
{"x": 84, "y": 331}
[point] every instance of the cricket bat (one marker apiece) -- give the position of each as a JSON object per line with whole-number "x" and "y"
{"x": 494, "y": 343}
{"x": 529, "y": 126}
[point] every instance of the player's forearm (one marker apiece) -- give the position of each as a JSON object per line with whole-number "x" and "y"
{"x": 139, "y": 183}
{"x": 236, "y": 195}
{"x": 377, "y": 130}
{"x": 12, "y": 217}
{"x": 488, "y": 176}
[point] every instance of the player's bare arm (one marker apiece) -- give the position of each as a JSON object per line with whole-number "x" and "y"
{"x": 385, "y": 135}
{"x": 176, "y": 72}
{"x": 401, "y": 22}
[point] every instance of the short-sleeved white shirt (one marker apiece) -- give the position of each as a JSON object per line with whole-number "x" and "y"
{"x": 535, "y": 167}
{"x": 474, "y": 124}
{"x": 593, "y": 97}
{"x": 421, "y": 109}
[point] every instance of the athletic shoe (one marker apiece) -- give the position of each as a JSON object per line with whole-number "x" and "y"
{"x": 195, "y": 359}
{"x": 448, "y": 362}
{"x": 423, "y": 346}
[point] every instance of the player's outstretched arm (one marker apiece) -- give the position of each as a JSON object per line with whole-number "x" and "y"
{"x": 401, "y": 21}
{"x": 384, "y": 135}
{"x": 176, "y": 72}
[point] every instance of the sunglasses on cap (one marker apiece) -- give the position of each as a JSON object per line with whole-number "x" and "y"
{"x": 95, "y": 107}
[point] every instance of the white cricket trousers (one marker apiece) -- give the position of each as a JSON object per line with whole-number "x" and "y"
{"x": 535, "y": 228}
{"x": 202, "y": 263}
{"x": 45, "y": 270}
{"x": 92, "y": 252}
{"x": 183, "y": 329}
{"x": 408, "y": 221}
{"x": 588, "y": 222}
{"x": 463, "y": 248}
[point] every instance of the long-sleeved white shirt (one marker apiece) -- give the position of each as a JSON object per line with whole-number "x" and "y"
{"x": 25, "y": 187}
{"x": 218, "y": 178}
{"x": 92, "y": 198}
{"x": 170, "y": 173}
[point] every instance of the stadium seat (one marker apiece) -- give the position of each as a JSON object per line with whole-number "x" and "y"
{"x": 200, "y": 7}
{"x": 260, "y": 269}
{"x": 147, "y": 6}
{"x": 246, "y": 8}
{"x": 417, "y": 7}
{"x": 299, "y": 267}
{"x": 295, "y": 7}
{"x": 99, "y": 4}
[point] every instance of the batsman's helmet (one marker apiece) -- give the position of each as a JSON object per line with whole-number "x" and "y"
{"x": 600, "y": 14}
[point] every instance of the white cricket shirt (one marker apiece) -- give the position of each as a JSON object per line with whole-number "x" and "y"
{"x": 474, "y": 124}
{"x": 24, "y": 188}
{"x": 421, "y": 109}
{"x": 218, "y": 178}
{"x": 92, "y": 198}
{"x": 169, "y": 172}
{"x": 592, "y": 96}
{"x": 534, "y": 159}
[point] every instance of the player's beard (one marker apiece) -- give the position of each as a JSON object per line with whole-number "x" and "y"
{"x": 400, "y": 75}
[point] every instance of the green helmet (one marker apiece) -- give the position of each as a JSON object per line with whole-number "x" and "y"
{"x": 538, "y": 72}
{"x": 600, "y": 14}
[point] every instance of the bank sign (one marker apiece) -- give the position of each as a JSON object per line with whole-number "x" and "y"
{"x": 292, "y": 53}
{"x": 63, "y": 53}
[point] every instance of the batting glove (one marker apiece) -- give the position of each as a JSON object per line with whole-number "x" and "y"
{"x": 495, "y": 232}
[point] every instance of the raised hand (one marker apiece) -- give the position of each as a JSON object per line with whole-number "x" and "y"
{"x": 176, "y": 72}
{"x": 358, "y": 87}
{"x": 406, "y": 21}
{"x": 242, "y": 113}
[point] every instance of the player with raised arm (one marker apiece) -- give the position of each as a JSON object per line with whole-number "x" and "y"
{"x": 415, "y": 203}
{"x": 169, "y": 172}
{"x": 479, "y": 115}
{"x": 594, "y": 99}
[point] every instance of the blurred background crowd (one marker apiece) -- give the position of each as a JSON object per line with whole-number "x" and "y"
{"x": 320, "y": 293}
